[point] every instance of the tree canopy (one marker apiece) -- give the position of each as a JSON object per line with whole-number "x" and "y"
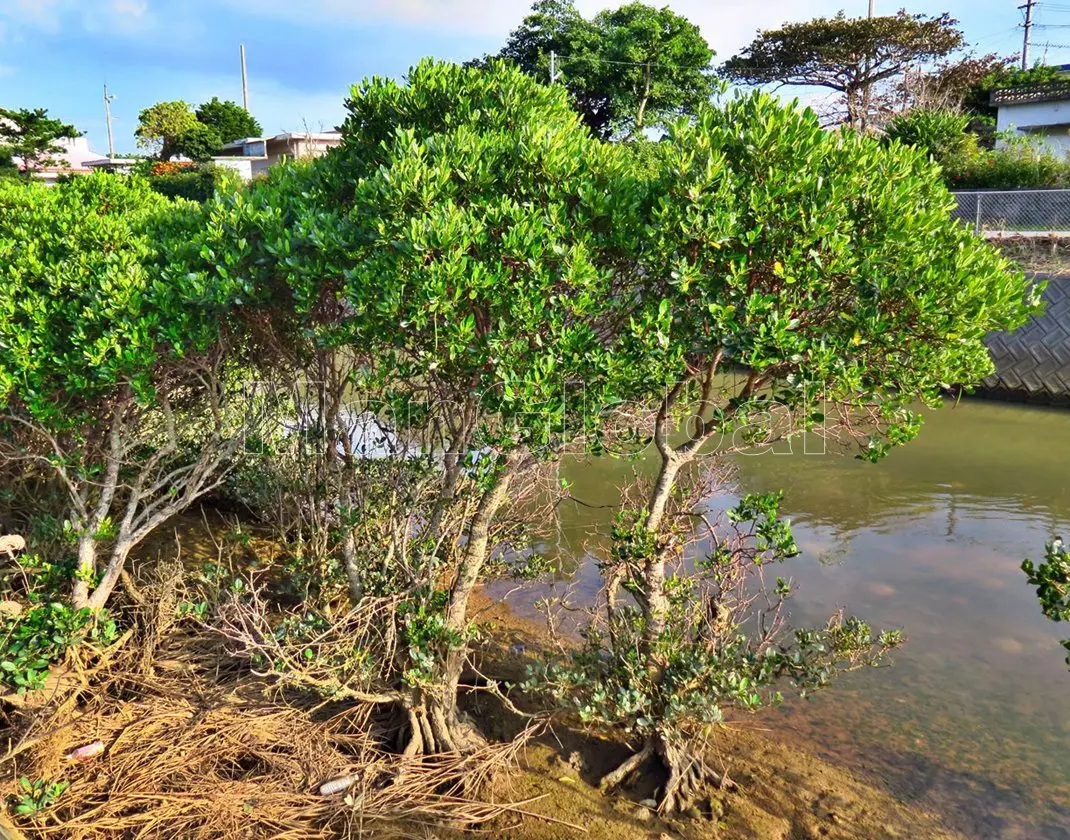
{"x": 626, "y": 68}
{"x": 160, "y": 126}
{"x": 846, "y": 55}
{"x": 172, "y": 128}
{"x": 198, "y": 142}
{"x": 31, "y": 135}
{"x": 229, "y": 120}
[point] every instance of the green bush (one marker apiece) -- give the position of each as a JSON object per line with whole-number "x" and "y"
{"x": 1052, "y": 580}
{"x": 104, "y": 327}
{"x": 195, "y": 183}
{"x": 942, "y": 134}
{"x": 1018, "y": 163}
{"x": 34, "y": 641}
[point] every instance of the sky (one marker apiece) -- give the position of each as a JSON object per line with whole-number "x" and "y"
{"x": 303, "y": 55}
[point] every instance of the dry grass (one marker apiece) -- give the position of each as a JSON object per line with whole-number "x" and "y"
{"x": 1039, "y": 254}
{"x": 194, "y": 748}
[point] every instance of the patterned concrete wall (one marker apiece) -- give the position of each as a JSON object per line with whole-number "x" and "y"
{"x": 1033, "y": 363}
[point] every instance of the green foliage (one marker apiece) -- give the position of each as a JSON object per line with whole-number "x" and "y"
{"x": 847, "y": 55}
{"x": 38, "y": 795}
{"x": 171, "y": 129}
{"x": 34, "y": 641}
{"x": 1003, "y": 75}
{"x": 1018, "y": 162}
{"x": 31, "y": 135}
{"x": 198, "y": 142}
{"x": 459, "y": 206}
{"x": 160, "y": 126}
{"x": 627, "y": 68}
{"x": 710, "y": 656}
{"x": 1052, "y": 580}
{"x": 821, "y": 263}
{"x": 107, "y": 345}
{"x": 427, "y": 635}
{"x": 228, "y": 119}
{"x": 197, "y": 183}
{"x": 940, "y": 134}
{"x": 81, "y": 310}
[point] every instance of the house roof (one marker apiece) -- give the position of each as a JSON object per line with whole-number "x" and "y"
{"x": 288, "y": 135}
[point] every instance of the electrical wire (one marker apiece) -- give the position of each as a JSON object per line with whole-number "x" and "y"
{"x": 633, "y": 63}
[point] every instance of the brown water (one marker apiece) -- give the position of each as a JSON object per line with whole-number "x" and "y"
{"x": 973, "y": 719}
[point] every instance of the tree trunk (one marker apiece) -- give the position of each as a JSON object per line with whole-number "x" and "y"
{"x": 349, "y": 558}
{"x": 442, "y": 704}
{"x": 85, "y": 571}
{"x": 116, "y": 564}
{"x": 655, "y": 601}
{"x": 643, "y": 100}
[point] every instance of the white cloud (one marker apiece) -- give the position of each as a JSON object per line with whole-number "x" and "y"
{"x": 130, "y": 8}
{"x": 726, "y": 25}
{"x": 277, "y": 107}
{"x": 22, "y": 18}
{"x": 453, "y": 16}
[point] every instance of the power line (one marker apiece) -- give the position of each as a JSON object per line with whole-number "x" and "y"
{"x": 634, "y": 63}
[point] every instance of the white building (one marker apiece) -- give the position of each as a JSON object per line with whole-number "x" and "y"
{"x": 255, "y": 155}
{"x": 1040, "y": 111}
{"x": 75, "y": 157}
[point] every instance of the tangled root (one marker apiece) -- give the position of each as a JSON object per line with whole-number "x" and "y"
{"x": 187, "y": 754}
{"x": 688, "y": 772}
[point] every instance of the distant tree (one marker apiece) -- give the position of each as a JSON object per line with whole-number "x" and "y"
{"x": 626, "y": 69}
{"x": 198, "y": 142}
{"x": 846, "y": 55}
{"x": 160, "y": 125}
{"x": 31, "y": 135}
{"x": 1002, "y": 75}
{"x": 655, "y": 65}
{"x": 229, "y": 120}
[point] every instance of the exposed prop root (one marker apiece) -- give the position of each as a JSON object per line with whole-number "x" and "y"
{"x": 615, "y": 778}
{"x": 427, "y": 730}
{"x": 688, "y": 774}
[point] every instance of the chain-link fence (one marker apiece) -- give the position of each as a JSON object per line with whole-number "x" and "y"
{"x": 1015, "y": 211}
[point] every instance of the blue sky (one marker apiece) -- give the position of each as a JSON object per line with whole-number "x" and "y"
{"x": 303, "y": 55}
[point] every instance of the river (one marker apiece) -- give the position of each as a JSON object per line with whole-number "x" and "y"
{"x": 972, "y": 720}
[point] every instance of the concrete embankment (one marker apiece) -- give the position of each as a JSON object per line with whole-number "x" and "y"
{"x": 1033, "y": 363}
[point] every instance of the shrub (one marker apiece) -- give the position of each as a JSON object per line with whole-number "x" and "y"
{"x": 446, "y": 271}
{"x": 1017, "y": 163}
{"x": 114, "y": 368}
{"x": 826, "y": 272}
{"x": 940, "y": 134}
{"x": 194, "y": 182}
{"x": 31, "y": 643}
{"x": 1052, "y": 580}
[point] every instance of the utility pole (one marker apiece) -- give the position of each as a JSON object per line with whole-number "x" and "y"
{"x": 244, "y": 81}
{"x": 1029, "y": 4}
{"x": 865, "y": 92}
{"x": 107, "y": 119}
{"x": 553, "y": 66}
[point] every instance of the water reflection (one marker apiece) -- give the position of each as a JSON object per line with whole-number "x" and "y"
{"x": 974, "y": 718}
